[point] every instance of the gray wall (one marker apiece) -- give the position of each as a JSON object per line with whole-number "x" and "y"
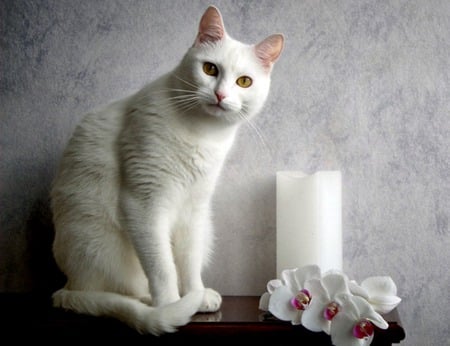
{"x": 362, "y": 87}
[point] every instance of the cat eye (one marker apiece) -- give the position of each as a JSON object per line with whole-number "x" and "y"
{"x": 244, "y": 81}
{"x": 210, "y": 69}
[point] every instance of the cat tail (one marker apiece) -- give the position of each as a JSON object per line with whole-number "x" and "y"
{"x": 136, "y": 314}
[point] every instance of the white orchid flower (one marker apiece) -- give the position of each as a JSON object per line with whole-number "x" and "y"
{"x": 324, "y": 307}
{"x": 379, "y": 291}
{"x": 288, "y": 296}
{"x": 354, "y": 324}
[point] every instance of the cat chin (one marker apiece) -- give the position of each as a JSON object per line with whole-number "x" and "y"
{"x": 217, "y": 111}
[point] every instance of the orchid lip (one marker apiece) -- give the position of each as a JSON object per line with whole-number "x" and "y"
{"x": 301, "y": 300}
{"x": 363, "y": 329}
{"x": 331, "y": 310}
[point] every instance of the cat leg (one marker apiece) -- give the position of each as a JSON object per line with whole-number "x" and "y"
{"x": 191, "y": 247}
{"x": 149, "y": 232}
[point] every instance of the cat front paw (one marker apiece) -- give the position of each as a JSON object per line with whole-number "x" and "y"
{"x": 211, "y": 301}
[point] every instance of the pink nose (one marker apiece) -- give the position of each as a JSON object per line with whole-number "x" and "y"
{"x": 220, "y": 96}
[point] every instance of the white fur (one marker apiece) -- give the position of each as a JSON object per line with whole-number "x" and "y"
{"x": 131, "y": 200}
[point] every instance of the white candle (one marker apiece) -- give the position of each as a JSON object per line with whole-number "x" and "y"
{"x": 309, "y": 220}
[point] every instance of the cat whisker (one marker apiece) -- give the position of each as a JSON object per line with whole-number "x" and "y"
{"x": 181, "y": 105}
{"x": 186, "y": 104}
{"x": 242, "y": 114}
{"x": 185, "y": 91}
{"x": 186, "y": 82}
{"x": 182, "y": 99}
{"x": 184, "y": 94}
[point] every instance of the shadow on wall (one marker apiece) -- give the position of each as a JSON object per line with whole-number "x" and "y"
{"x": 44, "y": 275}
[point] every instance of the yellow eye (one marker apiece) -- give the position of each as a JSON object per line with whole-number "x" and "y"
{"x": 244, "y": 81}
{"x": 210, "y": 69}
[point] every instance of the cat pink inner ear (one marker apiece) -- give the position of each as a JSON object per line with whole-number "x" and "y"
{"x": 270, "y": 49}
{"x": 211, "y": 27}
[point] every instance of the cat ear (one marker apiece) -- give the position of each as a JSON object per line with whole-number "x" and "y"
{"x": 270, "y": 49}
{"x": 211, "y": 27}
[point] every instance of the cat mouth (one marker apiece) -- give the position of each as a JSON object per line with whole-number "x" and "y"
{"x": 220, "y": 106}
{"x": 215, "y": 108}
{"x": 219, "y": 109}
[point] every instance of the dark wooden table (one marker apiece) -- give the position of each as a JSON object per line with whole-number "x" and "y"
{"x": 25, "y": 316}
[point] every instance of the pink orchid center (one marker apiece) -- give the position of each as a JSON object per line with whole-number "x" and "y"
{"x": 363, "y": 329}
{"x": 330, "y": 311}
{"x": 301, "y": 300}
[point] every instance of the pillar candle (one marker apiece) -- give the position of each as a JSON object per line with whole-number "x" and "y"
{"x": 309, "y": 220}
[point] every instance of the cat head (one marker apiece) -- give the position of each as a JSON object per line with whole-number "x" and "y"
{"x": 227, "y": 78}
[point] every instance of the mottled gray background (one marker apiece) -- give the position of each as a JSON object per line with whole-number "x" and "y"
{"x": 362, "y": 87}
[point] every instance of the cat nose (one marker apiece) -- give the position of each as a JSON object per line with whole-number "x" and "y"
{"x": 220, "y": 96}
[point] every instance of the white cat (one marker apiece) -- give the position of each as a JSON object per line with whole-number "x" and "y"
{"x": 131, "y": 198}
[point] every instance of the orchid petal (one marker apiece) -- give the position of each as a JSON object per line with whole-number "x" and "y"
{"x": 346, "y": 301}
{"x": 384, "y": 304}
{"x": 382, "y": 293}
{"x": 357, "y": 290}
{"x": 341, "y": 332}
{"x": 288, "y": 278}
{"x": 380, "y": 286}
{"x": 377, "y": 320}
{"x": 307, "y": 272}
{"x": 312, "y": 317}
{"x": 367, "y": 311}
{"x": 332, "y": 271}
{"x": 317, "y": 289}
{"x": 273, "y": 284}
{"x": 298, "y": 318}
{"x": 264, "y": 301}
{"x": 335, "y": 284}
{"x": 280, "y": 304}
